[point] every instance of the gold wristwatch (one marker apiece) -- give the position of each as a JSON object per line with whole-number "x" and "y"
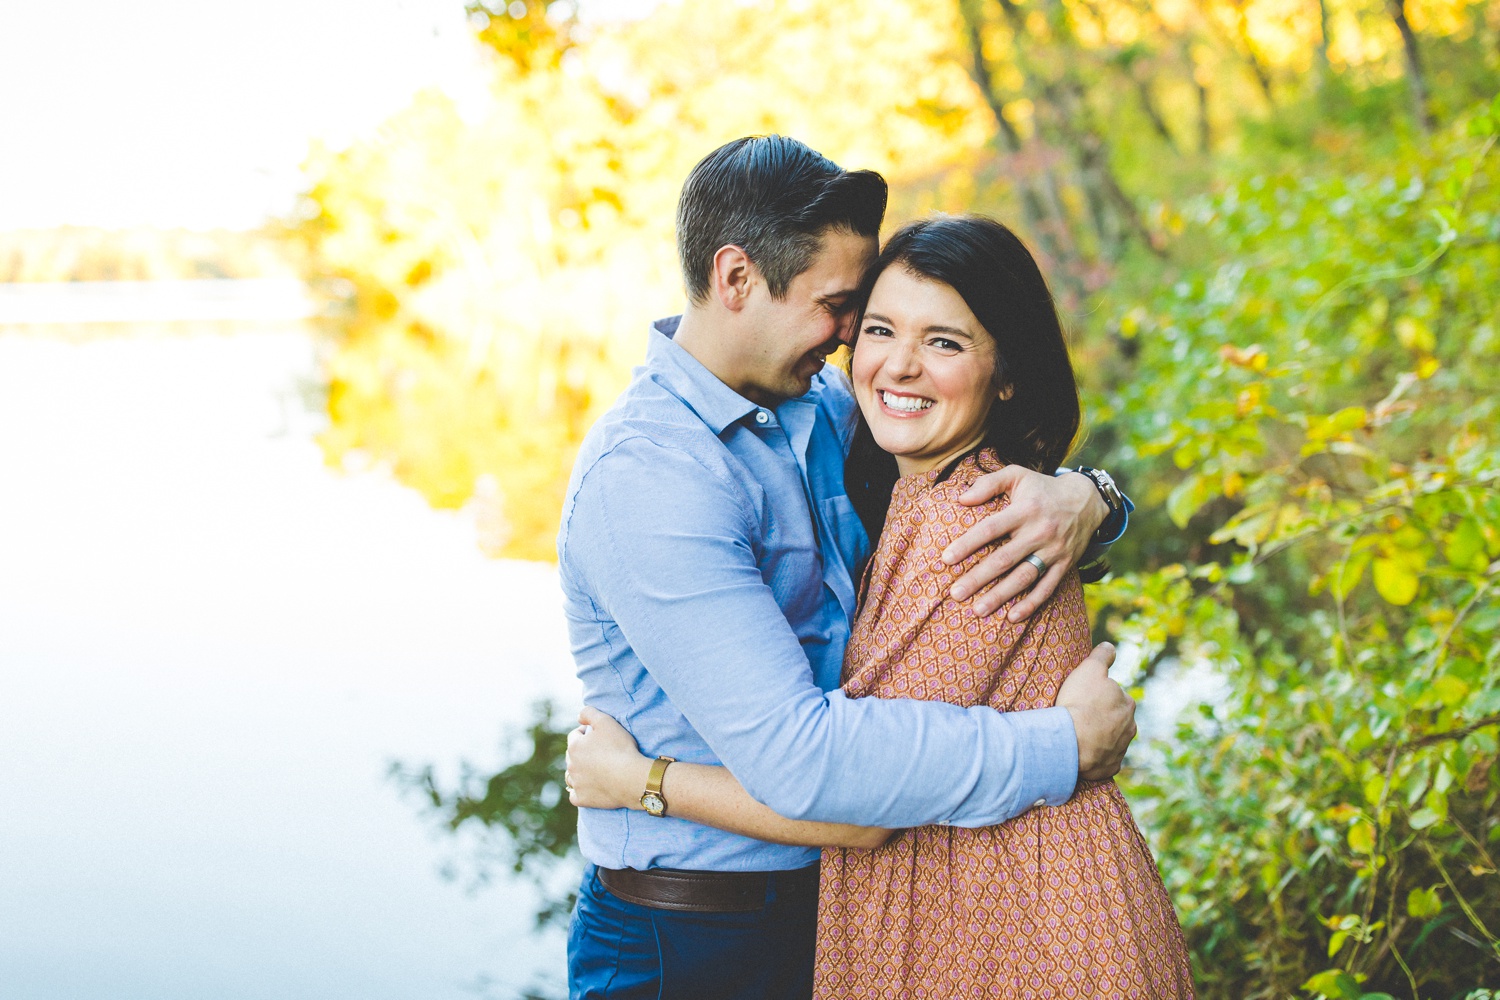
{"x": 651, "y": 799}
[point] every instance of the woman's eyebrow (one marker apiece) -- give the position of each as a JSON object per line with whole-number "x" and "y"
{"x": 935, "y": 328}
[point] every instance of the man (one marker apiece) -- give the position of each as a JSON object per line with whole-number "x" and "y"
{"x": 706, "y": 556}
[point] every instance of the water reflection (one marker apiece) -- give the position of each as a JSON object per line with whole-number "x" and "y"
{"x": 211, "y": 647}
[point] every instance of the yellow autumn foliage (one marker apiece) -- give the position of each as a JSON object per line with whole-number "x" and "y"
{"x": 502, "y": 261}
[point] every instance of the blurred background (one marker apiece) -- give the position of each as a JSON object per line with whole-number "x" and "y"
{"x": 305, "y": 307}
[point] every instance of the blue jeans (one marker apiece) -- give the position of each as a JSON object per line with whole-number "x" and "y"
{"x": 625, "y": 951}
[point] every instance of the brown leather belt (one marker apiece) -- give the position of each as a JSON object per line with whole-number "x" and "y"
{"x": 707, "y": 892}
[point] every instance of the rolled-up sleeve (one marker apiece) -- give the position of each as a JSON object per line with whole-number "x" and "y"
{"x": 666, "y": 548}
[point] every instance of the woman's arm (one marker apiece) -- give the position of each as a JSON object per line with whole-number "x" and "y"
{"x": 606, "y": 770}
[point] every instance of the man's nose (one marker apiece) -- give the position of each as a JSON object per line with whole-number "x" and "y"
{"x": 845, "y": 331}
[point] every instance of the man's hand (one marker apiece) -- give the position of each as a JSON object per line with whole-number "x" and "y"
{"x": 1103, "y": 714}
{"x": 1051, "y": 517}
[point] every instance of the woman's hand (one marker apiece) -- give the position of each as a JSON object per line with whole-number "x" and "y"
{"x": 605, "y": 769}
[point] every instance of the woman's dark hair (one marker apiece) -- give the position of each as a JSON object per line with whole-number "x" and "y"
{"x": 989, "y": 266}
{"x": 772, "y": 197}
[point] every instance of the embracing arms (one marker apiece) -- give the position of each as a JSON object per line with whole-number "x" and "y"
{"x": 684, "y": 595}
{"x": 606, "y": 770}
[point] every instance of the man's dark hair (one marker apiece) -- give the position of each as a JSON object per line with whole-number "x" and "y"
{"x": 772, "y": 197}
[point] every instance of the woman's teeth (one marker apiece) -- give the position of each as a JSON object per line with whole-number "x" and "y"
{"x": 908, "y": 403}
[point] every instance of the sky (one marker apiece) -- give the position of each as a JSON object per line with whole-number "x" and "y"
{"x": 198, "y": 113}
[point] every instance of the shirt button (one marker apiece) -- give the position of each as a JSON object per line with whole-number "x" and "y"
{"x": 1039, "y": 802}
{"x": 762, "y": 417}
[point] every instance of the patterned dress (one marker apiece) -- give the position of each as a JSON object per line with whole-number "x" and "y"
{"x": 1059, "y": 902}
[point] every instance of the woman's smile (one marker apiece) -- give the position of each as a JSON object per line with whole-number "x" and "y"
{"x": 902, "y": 404}
{"x": 923, "y": 370}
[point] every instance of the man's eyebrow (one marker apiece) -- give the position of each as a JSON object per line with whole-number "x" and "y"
{"x": 839, "y": 296}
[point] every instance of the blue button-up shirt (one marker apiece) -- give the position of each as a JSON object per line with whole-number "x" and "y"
{"x": 706, "y": 558}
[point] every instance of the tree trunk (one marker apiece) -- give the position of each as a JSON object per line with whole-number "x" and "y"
{"x": 1205, "y": 126}
{"x": 1262, "y": 75}
{"x": 1415, "y": 78}
{"x": 1148, "y": 105}
{"x": 1063, "y": 116}
{"x": 1325, "y": 35}
{"x": 1043, "y": 210}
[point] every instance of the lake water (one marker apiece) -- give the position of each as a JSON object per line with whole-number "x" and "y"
{"x": 211, "y": 647}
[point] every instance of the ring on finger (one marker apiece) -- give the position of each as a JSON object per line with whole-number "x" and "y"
{"x": 1039, "y": 563}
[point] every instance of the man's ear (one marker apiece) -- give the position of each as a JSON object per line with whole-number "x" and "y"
{"x": 733, "y": 276}
{"x": 1006, "y": 391}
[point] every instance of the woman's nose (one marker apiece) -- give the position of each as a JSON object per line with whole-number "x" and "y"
{"x": 901, "y": 360}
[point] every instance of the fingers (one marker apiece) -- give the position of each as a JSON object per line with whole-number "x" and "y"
{"x": 991, "y": 485}
{"x": 997, "y": 526}
{"x": 996, "y": 568}
{"x": 589, "y": 716}
{"x": 1012, "y": 576}
{"x": 1015, "y": 581}
{"x": 1091, "y": 671}
{"x": 1035, "y": 597}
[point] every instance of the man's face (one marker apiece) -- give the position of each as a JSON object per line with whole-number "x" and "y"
{"x": 789, "y": 338}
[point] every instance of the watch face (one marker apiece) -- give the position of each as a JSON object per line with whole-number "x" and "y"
{"x": 654, "y": 804}
{"x": 1106, "y": 483}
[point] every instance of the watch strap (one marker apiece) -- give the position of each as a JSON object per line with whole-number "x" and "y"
{"x": 657, "y": 773}
{"x": 1115, "y": 522}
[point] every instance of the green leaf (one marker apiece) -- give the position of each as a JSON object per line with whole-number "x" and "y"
{"x": 1362, "y": 838}
{"x": 1416, "y": 784}
{"x": 1465, "y": 546}
{"x": 1450, "y": 690}
{"x": 1349, "y": 573}
{"x": 1423, "y": 818}
{"x": 1332, "y": 983}
{"x": 1188, "y": 496}
{"x": 1336, "y": 942}
{"x": 1423, "y": 904}
{"x": 1395, "y": 581}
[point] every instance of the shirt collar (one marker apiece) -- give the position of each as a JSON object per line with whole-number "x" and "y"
{"x": 715, "y": 403}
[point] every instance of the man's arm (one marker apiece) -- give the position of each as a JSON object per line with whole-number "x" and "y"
{"x": 1052, "y": 517}
{"x": 665, "y": 550}
{"x": 606, "y": 770}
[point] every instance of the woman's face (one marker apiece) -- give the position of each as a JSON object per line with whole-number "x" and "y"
{"x": 924, "y": 371}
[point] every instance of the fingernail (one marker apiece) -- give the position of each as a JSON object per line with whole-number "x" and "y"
{"x": 948, "y": 556}
{"x": 959, "y": 591}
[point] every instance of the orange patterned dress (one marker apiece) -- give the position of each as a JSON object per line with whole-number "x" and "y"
{"x": 1060, "y": 902}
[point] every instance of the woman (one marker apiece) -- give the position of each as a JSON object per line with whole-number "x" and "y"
{"x": 959, "y": 366}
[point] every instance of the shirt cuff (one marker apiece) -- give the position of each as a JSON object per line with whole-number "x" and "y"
{"x": 1049, "y": 756}
{"x": 1124, "y": 514}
